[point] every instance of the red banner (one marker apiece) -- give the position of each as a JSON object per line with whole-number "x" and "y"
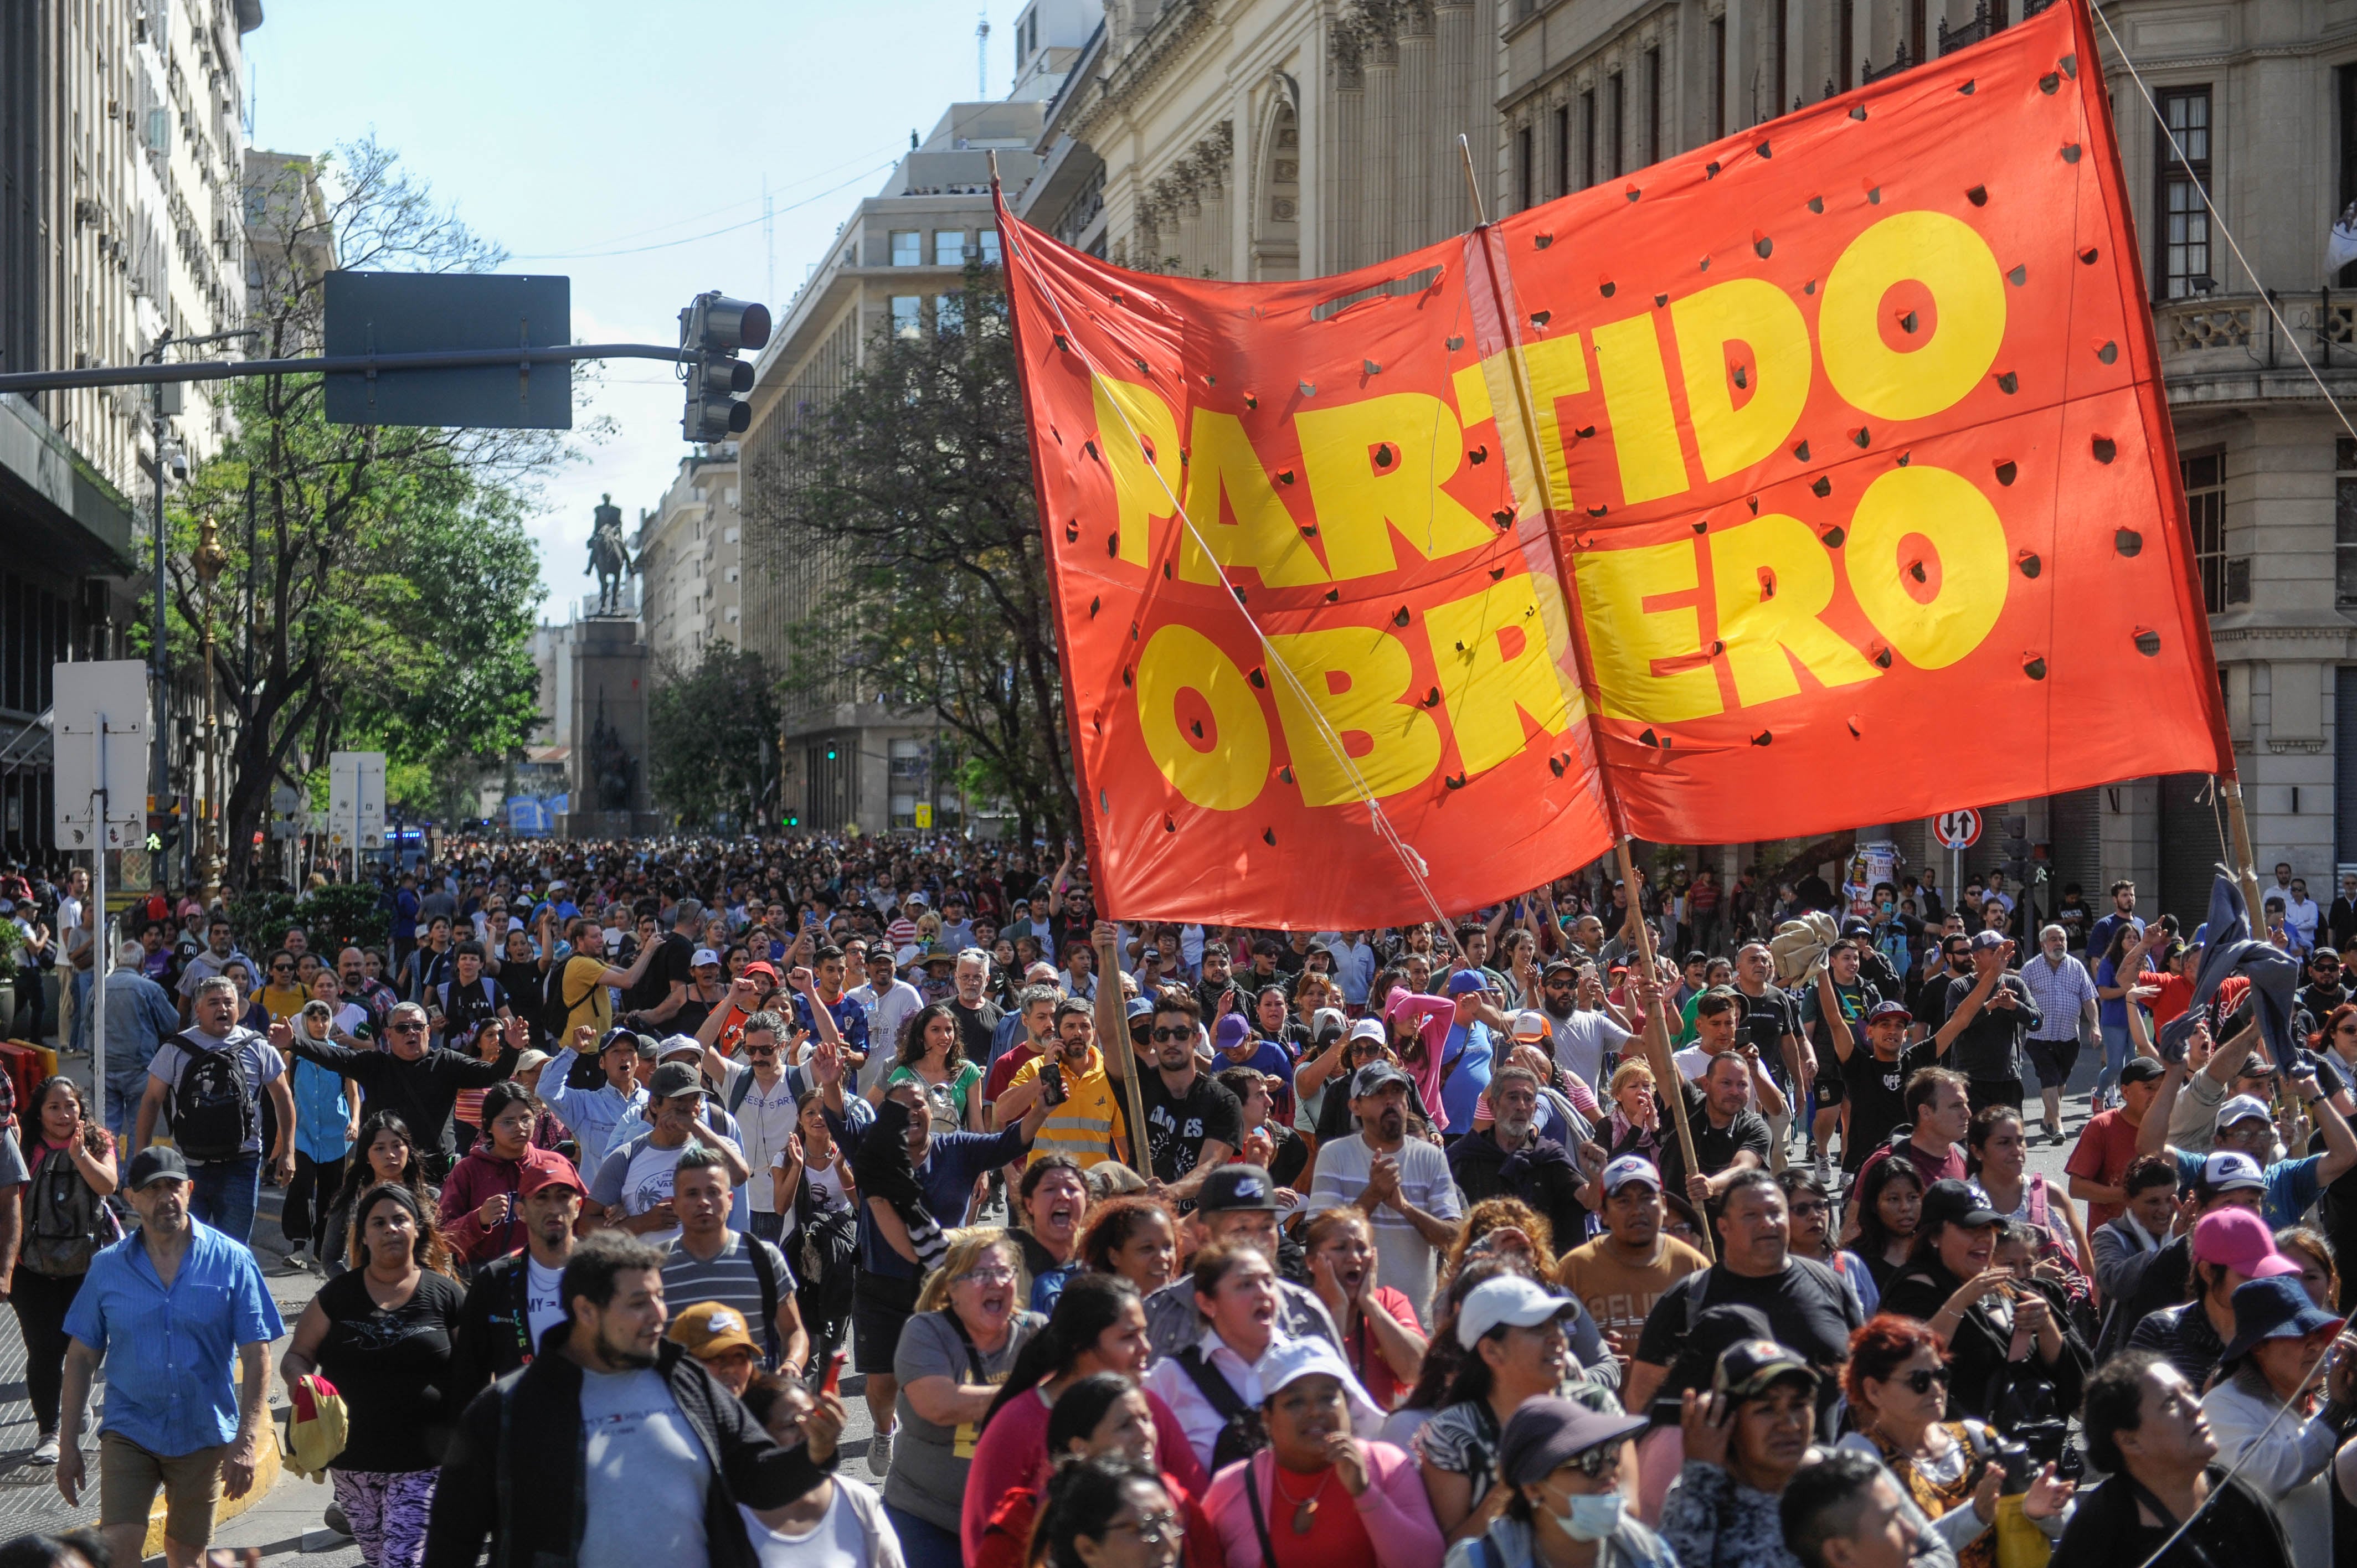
{"x": 1821, "y": 476}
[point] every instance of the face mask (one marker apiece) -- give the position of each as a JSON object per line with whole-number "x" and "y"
{"x": 1593, "y": 1516}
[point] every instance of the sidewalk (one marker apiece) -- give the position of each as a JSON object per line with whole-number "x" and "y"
{"x": 276, "y": 1522}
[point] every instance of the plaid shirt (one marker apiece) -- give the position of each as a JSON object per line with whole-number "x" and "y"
{"x": 2062, "y": 992}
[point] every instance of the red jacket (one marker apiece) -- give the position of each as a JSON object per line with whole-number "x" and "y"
{"x": 483, "y": 1175}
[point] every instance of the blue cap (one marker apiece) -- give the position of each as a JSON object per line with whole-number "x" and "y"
{"x": 1464, "y": 982}
{"x": 1140, "y": 1007}
{"x": 2275, "y": 1307}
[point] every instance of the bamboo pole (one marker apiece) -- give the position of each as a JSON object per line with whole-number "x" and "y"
{"x": 1657, "y": 1034}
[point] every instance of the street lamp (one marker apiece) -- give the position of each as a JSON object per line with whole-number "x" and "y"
{"x": 209, "y": 560}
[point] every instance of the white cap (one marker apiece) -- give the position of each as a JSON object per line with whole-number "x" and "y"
{"x": 1508, "y": 1299}
{"x": 1629, "y": 1168}
{"x": 1312, "y": 1355}
{"x": 1531, "y": 1026}
{"x": 1368, "y": 1029}
{"x": 701, "y": 957}
{"x": 678, "y": 1045}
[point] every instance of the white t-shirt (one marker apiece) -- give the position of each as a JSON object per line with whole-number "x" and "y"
{"x": 1404, "y": 1258}
{"x": 839, "y": 1539}
{"x": 766, "y": 1119}
{"x": 543, "y": 1299}
{"x": 644, "y": 1473}
{"x": 1581, "y": 1042}
{"x": 1694, "y": 1061}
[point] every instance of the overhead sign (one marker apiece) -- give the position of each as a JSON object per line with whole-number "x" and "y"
{"x": 1957, "y": 830}
{"x": 356, "y": 799}
{"x": 99, "y": 748}
{"x": 416, "y": 313}
{"x": 1700, "y": 507}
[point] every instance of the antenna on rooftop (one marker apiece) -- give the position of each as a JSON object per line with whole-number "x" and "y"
{"x": 981, "y": 56}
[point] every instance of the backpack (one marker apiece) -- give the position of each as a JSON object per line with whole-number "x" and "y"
{"x": 556, "y": 1012}
{"x": 212, "y": 1116}
{"x": 66, "y": 1222}
{"x": 1241, "y": 1433}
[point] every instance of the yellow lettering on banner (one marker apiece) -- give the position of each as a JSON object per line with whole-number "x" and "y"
{"x": 1142, "y": 487}
{"x": 1772, "y": 581}
{"x": 1486, "y": 688}
{"x": 1625, "y": 639}
{"x": 1637, "y": 400}
{"x": 1378, "y": 465}
{"x": 1953, "y": 265}
{"x": 1229, "y": 775}
{"x": 1763, "y": 317}
{"x": 1221, "y": 462}
{"x": 1961, "y": 530}
{"x": 1357, "y": 677}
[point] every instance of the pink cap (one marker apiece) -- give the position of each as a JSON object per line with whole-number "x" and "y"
{"x": 2240, "y": 1240}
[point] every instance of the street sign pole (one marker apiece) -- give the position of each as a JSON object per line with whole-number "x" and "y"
{"x": 102, "y": 959}
{"x": 105, "y": 701}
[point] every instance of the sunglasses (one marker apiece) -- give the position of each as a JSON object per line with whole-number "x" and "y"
{"x": 1155, "y": 1529}
{"x": 1597, "y": 1463}
{"x": 1924, "y": 1379}
{"x": 1161, "y": 1034}
{"x": 410, "y": 1028}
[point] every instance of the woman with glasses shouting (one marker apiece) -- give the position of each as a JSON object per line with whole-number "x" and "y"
{"x": 1897, "y": 1380}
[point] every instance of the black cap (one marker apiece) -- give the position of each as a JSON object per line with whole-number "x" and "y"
{"x": 2142, "y": 1069}
{"x": 1372, "y": 1078}
{"x": 1953, "y": 1202}
{"x": 1235, "y": 1187}
{"x": 152, "y": 1164}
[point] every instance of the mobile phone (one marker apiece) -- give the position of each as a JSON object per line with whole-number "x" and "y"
{"x": 833, "y": 1381}
{"x": 1052, "y": 1077}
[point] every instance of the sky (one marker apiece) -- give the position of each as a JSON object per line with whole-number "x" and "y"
{"x": 625, "y": 144}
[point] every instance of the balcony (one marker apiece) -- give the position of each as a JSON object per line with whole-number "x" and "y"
{"x": 2228, "y": 348}
{"x": 1951, "y": 39}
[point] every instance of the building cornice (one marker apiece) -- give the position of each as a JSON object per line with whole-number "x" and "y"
{"x": 1145, "y": 63}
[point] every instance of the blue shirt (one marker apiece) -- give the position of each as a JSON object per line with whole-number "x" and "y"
{"x": 2291, "y": 1185}
{"x": 139, "y": 1017}
{"x": 171, "y": 1355}
{"x": 321, "y": 1114}
{"x": 946, "y": 1178}
{"x": 1467, "y": 1047}
{"x": 592, "y": 1114}
{"x": 850, "y": 1019}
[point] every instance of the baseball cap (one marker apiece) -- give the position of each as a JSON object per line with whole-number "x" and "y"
{"x": 762, "y": 966}
{"x": 2242, "y": 1108}
{"x": 1543, "y": 1433}
{"x": 2273, "y": 1307}
{"x": 529, "y": 1061}
{"x": 1140, "y": 1007}
{"x": 1311, "y": 1356}
{"x": 556, "y": 1171}
{"x": 152, "y": 1164}
{"x": 1231, "y": 1032}
{"x": 2142, "y": 1069}
{"x": 709, "y": 1330}
{"x": 1530, "y": 1026}
{"x": 673, "y": 1078}
{"x": 1986, "y": 941}
{"x": 1508, "y": 1299}
{"x": 918, "y": 899}
{"x": 678, "y": 1045}
{"x": 1464, "y": 982}
{"x": 2230, "y": 1169}
{"x": 1629, "y": 1168}
{"x": 618, "y": 1036}
{"x": 1372, "y": 1078}
{"x": 1856, "y": 925}
{"x": 2240, "y": 1240}
{"x": 1750, "y": 1366}
{"x": 1953, "y": 1202}
{"x": 1233, "y": 1189}
{"x": 1369, "y": 1029}
{"x": 1881, "y": 1010}
{"x": 702, "y": 956}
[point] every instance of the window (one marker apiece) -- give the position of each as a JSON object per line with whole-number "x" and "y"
{"x": 907, "y": 248}
{"x": 989, "y": 238}
{"x": 1563, "y": 152}
{"x": 1523, "y": 170}
{"x": 1652, "y": 106}
{"x": 949, "y": 247}
{"x": 1916, "y": 24}
{"x": 1615, "y": 102}
{"x": 2204, "y": 478}
{"x": 2344, "y": 92}
{"x": 2344, "y": 527}
{"x": 1783, "y": 40}
{"x": 2181, "y": 154}
{"x": 1719, "y": 75}
{"x": 1586, "y": 139}
{"x": 1845, "y": 28}
{"x": 949, "y": 313}
{"x": 908, "y": 315}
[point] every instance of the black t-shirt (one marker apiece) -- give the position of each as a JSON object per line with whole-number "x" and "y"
{"x": 1714, "y": 1147}
{"x": 1764, "y": 1021}
{"x": 669, "y": 965}
{"x": 1989, "y": 1047}
{"x": 2076, "y": 919}
{"x": 976, "y": 1025}
{"x": 389, "y": 1367}
{"x": 1177, "y": 1125}
{"x": 1808, "y": 1306}
{"x": 1876, "y": 1097}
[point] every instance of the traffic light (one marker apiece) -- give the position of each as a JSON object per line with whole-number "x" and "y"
{"x": 711, "y": 330}
{"x": 793, "y": 819}
{"x": 2015, "y": 852}
{"x": 832, "y": 753}
{"x": 163, "y": 830}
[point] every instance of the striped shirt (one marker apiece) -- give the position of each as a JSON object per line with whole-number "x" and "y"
{"x": 1088, "y": 1122}
{"x": 2062, "y": 992}
{"x": 731, "y": 1279}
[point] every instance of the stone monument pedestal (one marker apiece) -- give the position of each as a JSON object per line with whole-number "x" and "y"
{"x": 611, "y": 664}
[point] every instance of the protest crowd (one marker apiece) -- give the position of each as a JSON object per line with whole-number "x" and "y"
{"x": 627, "y": 1165}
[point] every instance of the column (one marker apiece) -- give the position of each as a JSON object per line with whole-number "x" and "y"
{"x": 1483, "y": 133}
{"x": 1457, "y": 90}
{"x": 1381, "y": 193}
{"x": 1345, "y": 146}
{"x": 1414, "y": 220}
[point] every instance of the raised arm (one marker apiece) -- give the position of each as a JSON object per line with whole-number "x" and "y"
{"x": 1829, "y": 1008}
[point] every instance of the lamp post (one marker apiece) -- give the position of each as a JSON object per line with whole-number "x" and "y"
{"x": 209, "y": 560}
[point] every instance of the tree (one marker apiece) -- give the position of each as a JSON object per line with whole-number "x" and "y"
{"x": 393, "y": 586}
{"x": 915, "y": 483}
{"x": 712, "y": 739}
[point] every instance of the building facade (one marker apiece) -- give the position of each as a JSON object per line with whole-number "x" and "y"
{"x": 897, "y": 266}
{"x": 691, "y": 558}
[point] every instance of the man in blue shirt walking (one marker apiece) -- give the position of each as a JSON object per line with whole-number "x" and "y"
{"x": 167, "y": 1309}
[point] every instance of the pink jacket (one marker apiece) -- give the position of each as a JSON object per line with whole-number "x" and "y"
{"x": 1393, "y": 1511}
{"x": 1435, "y": 1016}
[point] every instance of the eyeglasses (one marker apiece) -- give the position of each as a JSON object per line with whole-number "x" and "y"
{"x": 1924, "y": 1379}
{"x": 1808, "y": 1210}
{"x": 412, "y": 1027}
{"x": 990, "y": 1274}
{"x": 1152, "y": 1530}
{"x": 1161, "y": 1034}
{"x": 1597, "y": 1463}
